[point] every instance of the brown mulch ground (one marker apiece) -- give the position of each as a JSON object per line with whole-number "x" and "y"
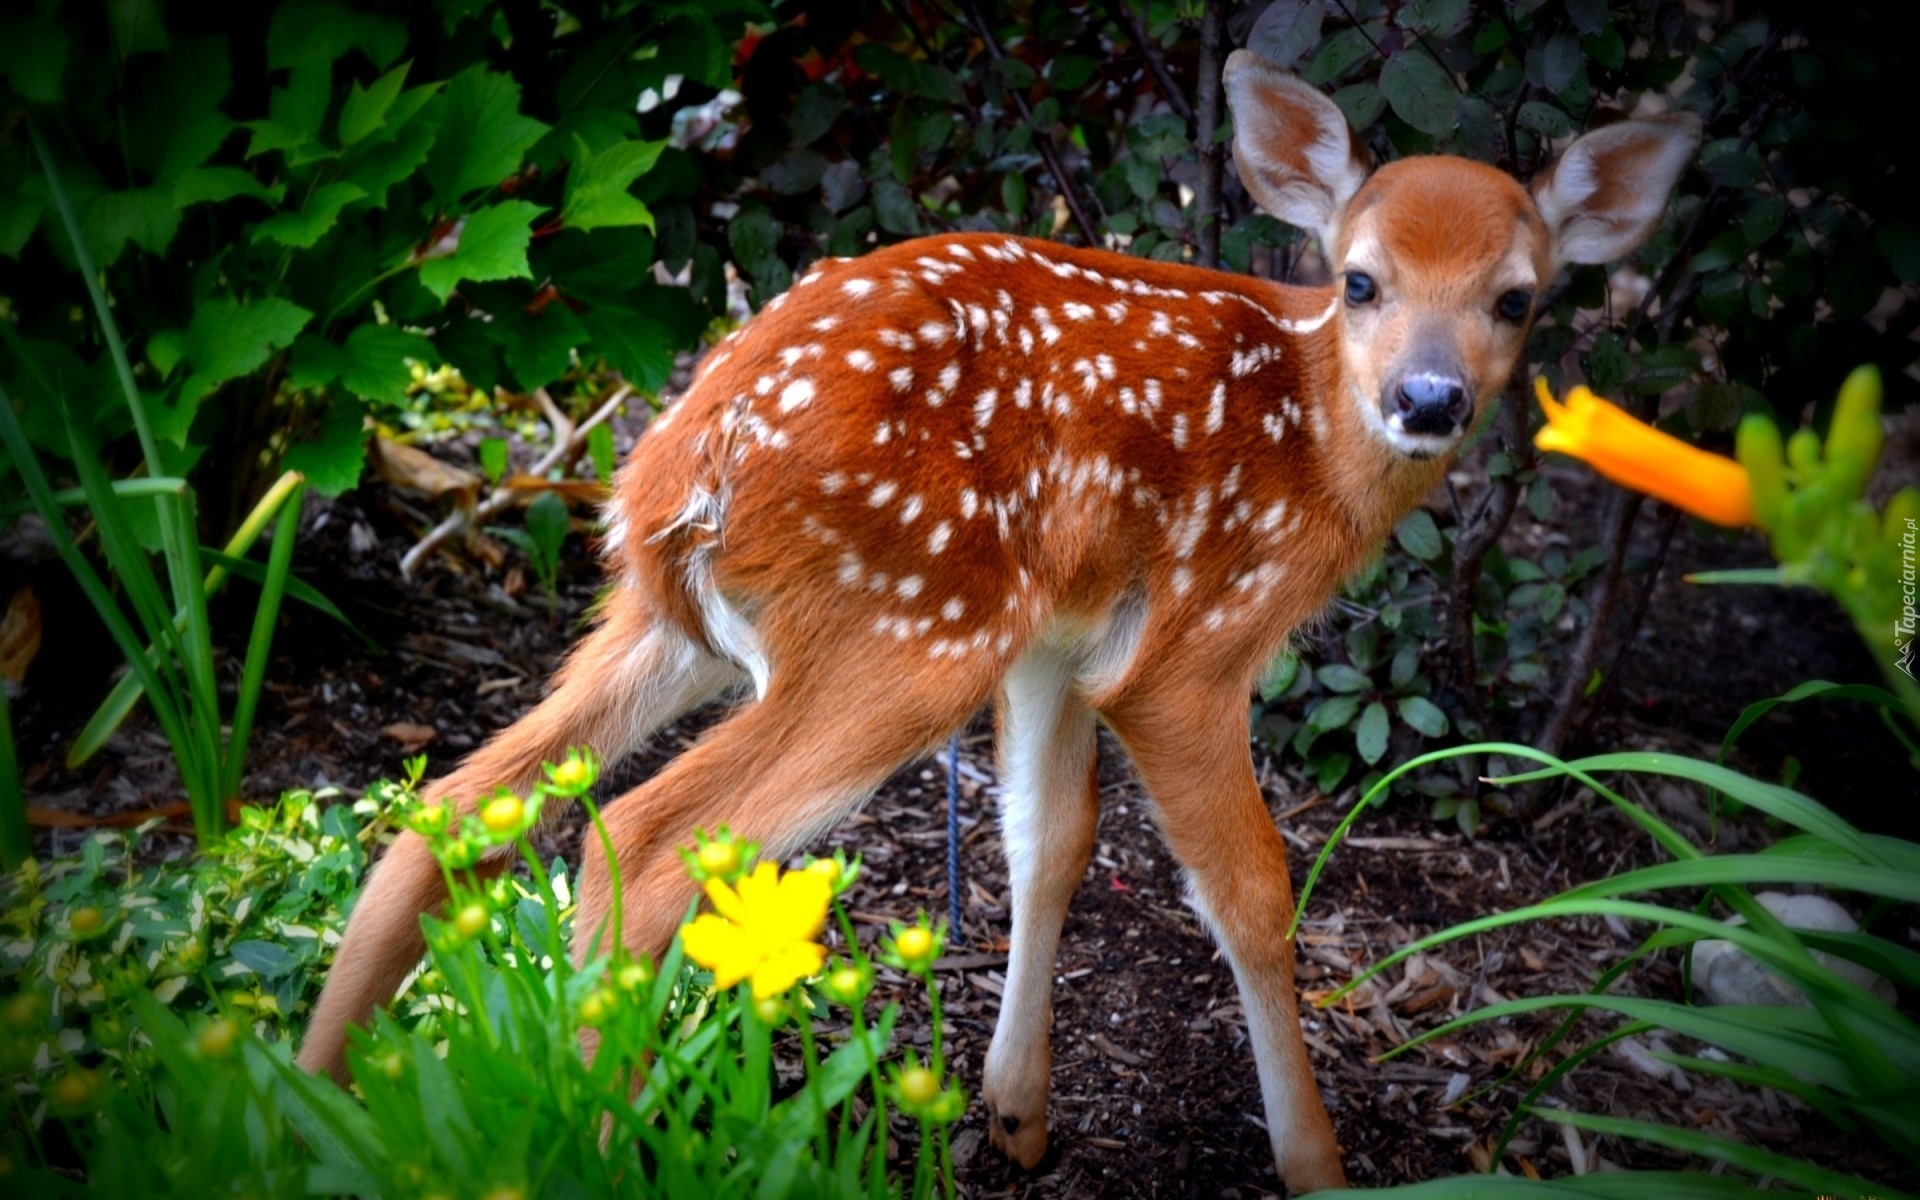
{"x": 1154, "y": 1089}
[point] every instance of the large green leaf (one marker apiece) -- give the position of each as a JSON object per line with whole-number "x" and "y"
{"x": 492, "y": 245}
{"x": 1420, "y": 91}
{"x": 597, "y": 184}
{"x": 376, "y": 367}
{"x": 318, "y": 215}
{"x": 632, "y": 343}
{"x": 227, "y": 339}
{"x": 483, "y": 135}
{"x": 365, "y": 110}
{"x": 331, "y": 461}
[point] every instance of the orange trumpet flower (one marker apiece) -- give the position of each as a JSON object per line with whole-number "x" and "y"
{"x": 1635, "y": 455}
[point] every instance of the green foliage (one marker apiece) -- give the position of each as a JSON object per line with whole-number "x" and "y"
{"x": 472, "y": 199}
{"x": 150, "y": 1042}
{"x": 1850, "y": 1056}
{"x": 245, "y": 930}
{"x": 541, "y": 541}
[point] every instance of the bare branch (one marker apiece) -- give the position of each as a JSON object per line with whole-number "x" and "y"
{"x": 1127, "y": 19}
{"x": 565, "y": 447}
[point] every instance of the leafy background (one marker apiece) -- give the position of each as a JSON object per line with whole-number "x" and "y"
{"x": 305, "y": 218}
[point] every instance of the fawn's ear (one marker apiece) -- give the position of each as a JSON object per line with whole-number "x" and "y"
{"x": 1606, "y": 193}
{"x": 1292, "y": 147}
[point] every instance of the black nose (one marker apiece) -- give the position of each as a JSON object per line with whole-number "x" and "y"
{"x": 1431, "y": 403}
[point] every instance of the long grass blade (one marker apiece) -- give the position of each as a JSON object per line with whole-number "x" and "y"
{"x": 16, "y": 840}
{"x": 266, "y": 614}
{"x": 119, "y": 703}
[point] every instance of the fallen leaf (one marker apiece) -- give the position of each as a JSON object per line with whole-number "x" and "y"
{"x": 19, "y": 635}
{"x": 408, "y": 467}
{"x": 410, "y": 736}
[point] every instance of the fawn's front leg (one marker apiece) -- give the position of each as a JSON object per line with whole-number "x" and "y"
{"x": 1048, "y": 809}
{"x": 1190, "y": 746}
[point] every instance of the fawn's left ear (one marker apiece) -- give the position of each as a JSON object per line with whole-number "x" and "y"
{"x": 1606, "y": 193}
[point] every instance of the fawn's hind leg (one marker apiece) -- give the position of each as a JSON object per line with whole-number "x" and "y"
{"x": 1048, "y": 810}
{"x": 628, "y": 677}
{"x": 778, "y": 772}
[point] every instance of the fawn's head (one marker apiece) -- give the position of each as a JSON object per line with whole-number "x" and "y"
{"x": 1437, "y": 260}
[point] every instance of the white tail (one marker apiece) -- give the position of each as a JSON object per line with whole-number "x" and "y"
{"x": 1105, "y": 489}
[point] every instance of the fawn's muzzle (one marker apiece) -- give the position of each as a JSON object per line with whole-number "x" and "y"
{"x": 1431, "y": 402}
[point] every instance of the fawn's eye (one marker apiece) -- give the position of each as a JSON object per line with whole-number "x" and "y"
{"x": 1360, "y": 288}
{"x": 1514, "y": 305}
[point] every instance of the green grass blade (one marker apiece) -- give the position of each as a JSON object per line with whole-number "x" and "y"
{"x": 1783, "y": 803}
{"x": 1757, "y": 868}
{"x": 297, "y": 589}
{"x": 165, "y": 709}
{"x": 126, "y": 489}
{"x": 259, "y": 644}
{"x": 125, "y": 694}
{"x": 16, "y": 840}
{"x": 1752, "y": 1159}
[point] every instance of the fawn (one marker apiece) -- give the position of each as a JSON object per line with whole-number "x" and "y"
{"x": 1100, "y": 488}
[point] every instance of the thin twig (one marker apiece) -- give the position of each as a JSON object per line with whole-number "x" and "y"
{"x": 1042, "y": 139}
{"x": 1127, "y": 19}
{"x": 564, "y": 448}
{"x": 1208, "y": 197}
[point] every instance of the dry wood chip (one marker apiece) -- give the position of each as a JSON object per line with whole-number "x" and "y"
{"x": 1106, "y": 1046}
{"x": 411, "y": 736}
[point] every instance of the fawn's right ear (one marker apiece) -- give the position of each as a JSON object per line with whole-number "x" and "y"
{"x": 1292, "y": 146}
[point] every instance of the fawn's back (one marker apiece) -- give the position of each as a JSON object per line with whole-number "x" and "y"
{"x": 948, "y": 445}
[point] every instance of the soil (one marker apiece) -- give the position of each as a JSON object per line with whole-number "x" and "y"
{"x": 1154, "y": 1089}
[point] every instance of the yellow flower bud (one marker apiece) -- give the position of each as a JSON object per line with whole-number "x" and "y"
{"x": 75, "y": 1089}
{"x": 503, "y": 815}
{"x": 770, "y": 1009}
{"x": 826, "y": 868}
{"x": 570, "y": 775}
{"x": 597, "y": 1008}
{"x": 1758, "y": 447}
{"x": 918, "y": 1085}
{"x": 217, "y": 1039}
{"x": 85, "y": 921}
{"x": 720, "y": 860}
{"x": 1854, "y": 437}
{"x": 915, "y": 945}
{"x": 472, "y": 921}
{"x": 391, "y": 1065}
{"x": 634, "y": 975}
{"x": 23, "y": 1011}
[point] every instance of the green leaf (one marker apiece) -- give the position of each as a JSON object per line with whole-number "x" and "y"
{"x": 19, "y": 213}
{"x": 1279, "y": 676}
{"x": 365, "y": 110}
{"x": 385, "y": 161}
{"x": 1370, "y": 735}
{"x": 376, "y": 362}
{"x": 1286, "y": 30}
{"x": 1420, "y": 92}
{"x": 632, "y": 343}
{"x": 492, "y": 245}
{"x": 493, "y": 457}
{"x": 320, "y": 213}
{"x": 600, "y": 449}
{"x": 264, "y": 959}
{"x": 332, "y": 459}
{"x": 1334, "y": 713}
{"x": 200, "y": 185}
{"x": 539, "y": 345}
{"x": 165, "y": 349}
{"x": 1340, "y": 677}
{"x": 814, "y": 111}
{"x": 314, "y": 31}
{"x": 137, "y": 27}
{"x": 33, "y": 56}
{"x": 294, "y": 116}
{"x": 1544, "y": 119}
{"x": 1419, "y": 536}
{"x": 227, "y": 339}
{"x": 597, "y": 184}
{"x": 316, "y": 362}
{"x": 1424, "y": 715}
{"x": 483, "y": 135}
{"x": 146, "y": 216}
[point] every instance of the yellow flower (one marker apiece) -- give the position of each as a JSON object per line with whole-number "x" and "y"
{"x": 763, "y": 932}
{"x": 1638, "y": 456}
